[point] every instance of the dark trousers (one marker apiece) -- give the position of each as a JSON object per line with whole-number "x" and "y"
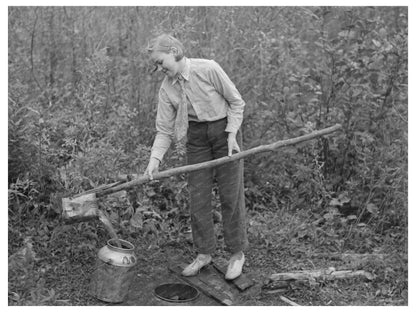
{"x": 208, "y": 141}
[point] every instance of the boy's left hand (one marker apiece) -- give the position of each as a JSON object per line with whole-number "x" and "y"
{"x": 232, "y": 144}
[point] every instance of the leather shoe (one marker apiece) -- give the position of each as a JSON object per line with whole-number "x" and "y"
{"x": 235, "y": 266}
{"x": 200, "y": 261}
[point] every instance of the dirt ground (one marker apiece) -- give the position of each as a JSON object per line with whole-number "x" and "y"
{"x": 65, "y": 267}
{"x": 152, "y": 271}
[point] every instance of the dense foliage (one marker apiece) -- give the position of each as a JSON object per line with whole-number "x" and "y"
{"x": 82, "y": 106}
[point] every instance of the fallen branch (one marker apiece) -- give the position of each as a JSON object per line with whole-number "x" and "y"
{"x": 315, "y": 275}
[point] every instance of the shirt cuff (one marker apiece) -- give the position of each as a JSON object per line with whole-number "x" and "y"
{"x": 232, "y": 125}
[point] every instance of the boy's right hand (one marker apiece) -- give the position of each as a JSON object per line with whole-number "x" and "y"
{"x": 152, "y": 167}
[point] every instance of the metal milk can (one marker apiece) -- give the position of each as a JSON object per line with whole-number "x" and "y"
{"x": 113, "y": 274}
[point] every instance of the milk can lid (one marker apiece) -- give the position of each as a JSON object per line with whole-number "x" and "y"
{"x": 176, "y": 292}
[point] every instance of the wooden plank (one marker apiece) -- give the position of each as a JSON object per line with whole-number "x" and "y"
{"x": 242, "y": 282}
{"x": 204, "y": 287}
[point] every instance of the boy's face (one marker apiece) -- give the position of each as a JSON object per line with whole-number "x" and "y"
{"x": 166, "y": 63}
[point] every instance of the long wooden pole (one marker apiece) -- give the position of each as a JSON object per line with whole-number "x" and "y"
{"x": 84, "y": 205}
{"x": 216, "y": 162}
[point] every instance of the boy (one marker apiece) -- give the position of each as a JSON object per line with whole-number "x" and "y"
{"x": 199, "y": 105}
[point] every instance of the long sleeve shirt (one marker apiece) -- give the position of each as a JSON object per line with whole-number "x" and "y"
{"x": 211, "y": 96}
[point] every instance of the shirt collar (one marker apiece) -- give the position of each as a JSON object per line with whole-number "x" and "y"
{"x": 185, "y": 71}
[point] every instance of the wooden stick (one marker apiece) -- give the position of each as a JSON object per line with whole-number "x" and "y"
{"x": 290, "y": 302}
{"x": 75, "y": 205}
{"x": 216, "y": 162}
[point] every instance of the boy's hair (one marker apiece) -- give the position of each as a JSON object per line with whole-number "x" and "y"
{"x": 164, "y": 43}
